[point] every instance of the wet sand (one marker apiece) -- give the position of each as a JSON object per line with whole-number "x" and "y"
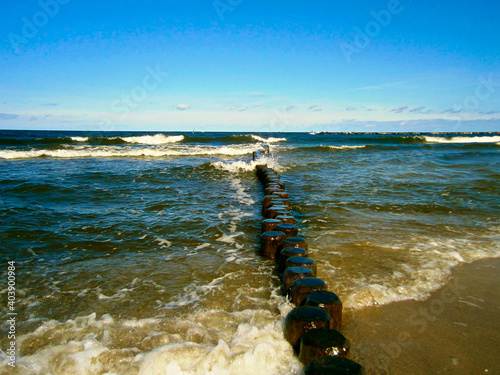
{"x": 455, "y": 331}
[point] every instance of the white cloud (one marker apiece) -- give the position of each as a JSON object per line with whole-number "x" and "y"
{"x": 377, "y": 87}
{"x": 8, "y": 116}
{"x": 399, "y": 109}
{"x": 183, "y": 107}
{"x": 417, "y": 109}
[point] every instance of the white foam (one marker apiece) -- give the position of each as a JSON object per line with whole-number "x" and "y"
{"x": 241, "y": 195}
{"x": 420, "y": 274}
{"x": 194, "y": 293}
{"x": 80, "y": 139}
{"x": 236, "y": 166}
{"x": 229, "y": 238}
{"x": 157, "y": 139}
{"x": 163, "y": 243}
{"x": 345, "y": 147}
{"x": 252, "y": 350}
{"x": 205, "y": 341}
{"x": 202, "y": 246}
{"x": 267, "y": 140}
{"x": 242, "y": 166}
{"x": 125, "y": 152}
{"x": 482, "y": 139}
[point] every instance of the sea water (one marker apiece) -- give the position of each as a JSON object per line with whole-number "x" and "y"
{"x": 137, "y": 252}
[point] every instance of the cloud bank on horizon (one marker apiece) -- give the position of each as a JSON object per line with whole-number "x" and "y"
{"x": 393, "y": 65}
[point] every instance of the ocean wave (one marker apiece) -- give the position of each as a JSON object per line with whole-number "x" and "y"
{"x": 345, "y": 147}
{"x": 426, "y": 271}
{"x": 157, "y": 139}
{"x": 80, "y": 139}
{"x": 125, "y": 152}
{"x": 242, "y": 166}
{"x": 249, "y": 342}
{"x": 478, "y": 139}
{"x": 267, "y": 140}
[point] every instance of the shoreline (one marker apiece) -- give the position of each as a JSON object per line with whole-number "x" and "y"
{"x": 455, "y": 331}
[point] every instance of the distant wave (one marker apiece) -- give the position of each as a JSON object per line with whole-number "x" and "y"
{"x": 482, "y": 139}
{"x": 346, "y": 147}
{"x": 329, "y": 148}
{"x": 158, "y": 139}
{"x": 267, "y": 140}
{"x": 75, "y": 152}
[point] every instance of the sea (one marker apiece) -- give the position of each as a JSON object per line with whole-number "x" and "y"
{"x": 138, "y": 252}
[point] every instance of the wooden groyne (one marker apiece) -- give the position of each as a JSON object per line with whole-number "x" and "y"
{"x": 312, "y": 327}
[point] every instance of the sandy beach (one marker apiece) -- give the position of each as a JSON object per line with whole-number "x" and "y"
{"x": 455, "y": 331}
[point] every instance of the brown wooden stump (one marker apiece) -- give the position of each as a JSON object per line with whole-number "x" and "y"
{"x": 296, "y": 261}
{"x": 293, "y": 273}
{"x": 295, "y": 242}
{"x": 322, "y": 342}
{"x": 334, "y": 366}
{"x": 302, "y": 287}
{"x": 275, "y": 180}
{"x": 272, "y": 211}
{"x": 283, "y": 213}
{"x": 261, "y": 170}
{"x": 329, "y": 302}
{"x": 283, "y": 201}
{"x": 272, "y": 179}
{"x": 288, "y": 252}
{"x": 270, "y": 243}
{"x": 282, "y": 194}
{"x": 302, "y": 319}
{"x": 271, "y": 190}
{"x": 286, "y": 218}
{"x": 290, "y": 230}
{"x": 273, "y": 185}
{"x": 266, "y": 202}
{"x": 269, "y": 224}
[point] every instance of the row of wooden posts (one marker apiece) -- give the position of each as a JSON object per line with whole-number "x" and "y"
{"x": 312, "y": 327}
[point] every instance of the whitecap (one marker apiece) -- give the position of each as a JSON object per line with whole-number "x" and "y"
{"x": 157, "y": 139}
{"x": 267, "y": 140}
{"x": 478, "y": 139}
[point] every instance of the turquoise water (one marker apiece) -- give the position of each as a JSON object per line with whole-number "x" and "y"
{"x": 138, "y": 252}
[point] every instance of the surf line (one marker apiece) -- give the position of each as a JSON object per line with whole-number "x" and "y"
{"x": 312, "y": 327}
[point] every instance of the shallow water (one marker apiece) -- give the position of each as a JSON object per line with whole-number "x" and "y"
{"x": 138, "y": 253}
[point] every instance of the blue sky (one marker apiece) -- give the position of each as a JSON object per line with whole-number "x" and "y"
{"x": 250, "y": 65}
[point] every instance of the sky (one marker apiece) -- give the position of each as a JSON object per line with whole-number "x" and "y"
{"x": 243, "y": 65}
